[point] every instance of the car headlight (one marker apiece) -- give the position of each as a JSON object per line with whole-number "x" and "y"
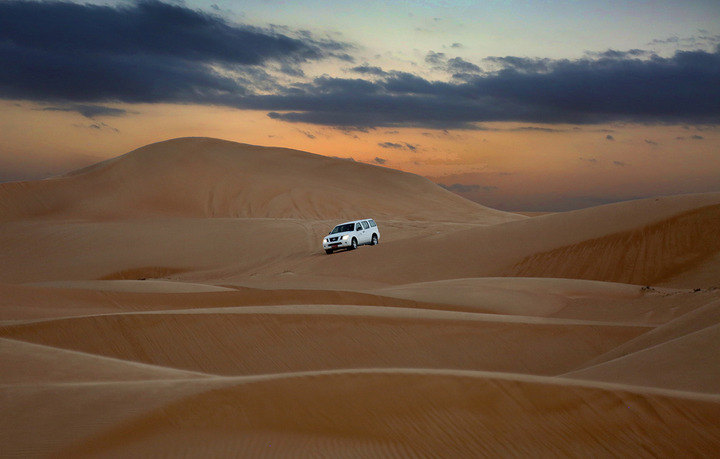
{"x": 345, "y": 237}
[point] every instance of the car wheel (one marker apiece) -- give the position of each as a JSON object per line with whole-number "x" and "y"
{"x": 374, "y": 240}
{"x": 353, "y": 244}
{"x": 329, "y": 251}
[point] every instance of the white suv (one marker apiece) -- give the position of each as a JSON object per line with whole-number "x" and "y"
{"x": 352, "y": 234}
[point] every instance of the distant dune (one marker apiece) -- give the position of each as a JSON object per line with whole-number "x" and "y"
{"x": 176, "y": 301}
{"x": 201, "y": 177}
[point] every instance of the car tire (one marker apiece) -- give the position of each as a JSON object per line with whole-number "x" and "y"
{"x": 329, "y": 251}
{"x": 353, "y": 244}
{"x": 374, "y": 240}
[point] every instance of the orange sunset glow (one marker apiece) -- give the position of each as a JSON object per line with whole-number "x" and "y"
{"x": 643, "y": 120}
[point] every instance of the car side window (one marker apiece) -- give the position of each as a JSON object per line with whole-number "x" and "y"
{"x": 358, "y": 227}
{"x": 372, "y": 223}
{"x": 365, "y": 225}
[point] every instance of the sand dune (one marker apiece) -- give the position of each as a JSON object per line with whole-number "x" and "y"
{"x": 428, "y": 233}
{"x": 267, "y": 342}
{"x": 175, "y": 301}
{"x": 34, "y": 364}
{"x": 696, "y": 320}
{"x": 24, "y": 303}
{"x": 46, "y": 418}
{"x": 412, "y": 413}
{"x": 358, "y": 412}
{"x": 688, "y": 363}
{"x": 645, "y": 255}
{"x": 201, "y": 177}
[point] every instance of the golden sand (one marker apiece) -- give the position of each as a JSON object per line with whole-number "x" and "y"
{"x": 176, "y": 301}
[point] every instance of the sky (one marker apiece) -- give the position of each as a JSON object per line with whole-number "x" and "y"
{"x": 519, "y": 105}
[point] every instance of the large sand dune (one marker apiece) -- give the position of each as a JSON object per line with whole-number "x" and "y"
{"x": 175, "y": 301}
{"x": 200, "y": 177}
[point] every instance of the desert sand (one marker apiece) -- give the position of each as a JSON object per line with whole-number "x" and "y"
{"x": 176, "y": 301}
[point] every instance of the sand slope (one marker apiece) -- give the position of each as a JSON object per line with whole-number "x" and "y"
{"x": 201, "y": 177}
{"x": 409, "y": 413}
{"x": 33, "y": 364}
{"x": 688, "y": 363}
{"x": 642, "y": 242}
{"x": 175, "y": 301}
{"x": 342, "y": 375}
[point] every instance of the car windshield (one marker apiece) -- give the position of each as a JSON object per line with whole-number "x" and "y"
{"x": 343, "y": 228}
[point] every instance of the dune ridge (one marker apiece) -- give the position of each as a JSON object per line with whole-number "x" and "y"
{"x": 33, "y": 364}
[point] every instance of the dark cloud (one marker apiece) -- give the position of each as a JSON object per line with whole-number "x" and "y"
{"x": 434, "y": 58}
{"x": 398, "y": 146}
{"x": 98, "y": 126}
{"x": 682, "y": 88}
{"x": 457, "y": 45}
{"x": 665, "y": 41}
{"x": 390, "y": 145}
{"x": 436, "y": 134}
{"x": 461, "y": 188}
{"x": 520, "y": 129}
{"x": 150, "y": 27}
{"x": 88, "y": 111}
{"x": 615, "y": 54}
{"x": 609, "y": 137}
{"x": 534, "y": 129}
{"x": 380, "y": 160}
{"x": 147, "y": 51}
{"x": 459, "y": 65}
{"x": 369, "y": 70}
{"x": 521, "y": 64}
{"x": 66, "y": 53}
{"x": 308, "y": 135}
{"x": 692, "y": 42}
{"x": 291, "y": 69}
{"x": 692, "y": 137}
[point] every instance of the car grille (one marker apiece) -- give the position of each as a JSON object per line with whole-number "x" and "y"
{"x": 333, "y": 239}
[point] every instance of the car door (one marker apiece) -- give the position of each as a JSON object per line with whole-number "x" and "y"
{"x": 359, "y": 233}
{"x": 367, "y": 234}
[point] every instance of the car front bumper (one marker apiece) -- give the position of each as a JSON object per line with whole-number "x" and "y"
{"x": 341, "y": 244}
